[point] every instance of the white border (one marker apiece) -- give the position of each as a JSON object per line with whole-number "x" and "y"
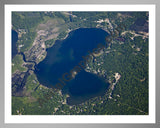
{"x": 79, "y": 119}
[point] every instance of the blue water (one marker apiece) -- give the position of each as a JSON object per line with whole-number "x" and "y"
{"x": 14, "y": 41}
{"x": 67, "y": 54}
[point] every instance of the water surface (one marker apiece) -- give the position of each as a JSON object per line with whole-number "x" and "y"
{"x": 14, "y": 41}
{"x": 64, "y": 56}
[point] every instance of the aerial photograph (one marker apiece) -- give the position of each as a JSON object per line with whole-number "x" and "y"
{"x": 80, "y": 63}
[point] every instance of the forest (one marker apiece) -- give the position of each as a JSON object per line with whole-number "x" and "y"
{"x": 126, "y": 53}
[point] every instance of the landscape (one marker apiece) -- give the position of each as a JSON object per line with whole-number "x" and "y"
{"x": 80, "y": 63}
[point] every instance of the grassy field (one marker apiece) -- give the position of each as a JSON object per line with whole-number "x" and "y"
{"x": 17, "y": 64}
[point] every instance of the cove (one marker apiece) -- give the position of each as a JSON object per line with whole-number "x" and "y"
{"x": 66, "y": 54}
{"x": 14, "y": 41}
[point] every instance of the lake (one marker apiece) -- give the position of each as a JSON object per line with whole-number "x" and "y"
{"x": 14, "y": 41}
{"x": 64, "y": 56}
